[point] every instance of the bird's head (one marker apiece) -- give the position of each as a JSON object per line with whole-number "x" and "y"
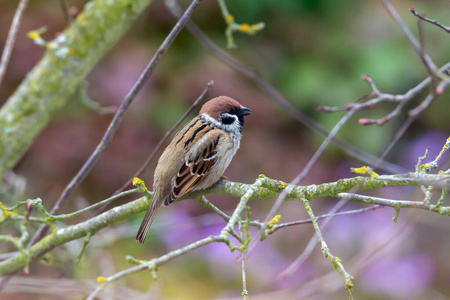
{"x": 226, "y": 111}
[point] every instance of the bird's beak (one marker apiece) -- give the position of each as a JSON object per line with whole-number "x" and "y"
{"x": 244, "y": 111}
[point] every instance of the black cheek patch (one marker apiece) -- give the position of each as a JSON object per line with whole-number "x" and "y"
{"x": 227, "y": 120}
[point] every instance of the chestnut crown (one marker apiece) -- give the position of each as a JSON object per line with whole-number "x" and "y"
{"x": 225, "y": 110}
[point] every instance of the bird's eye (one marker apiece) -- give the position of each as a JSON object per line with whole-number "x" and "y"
{"x": 227, "y": 119}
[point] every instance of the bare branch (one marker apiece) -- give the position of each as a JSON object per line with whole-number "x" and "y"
{"x": 434, "y": 22}
{"x": 398, "y": 134}
{"x": 391, "y": 203}
{"x": 376, "y": 97}
{"x": 429, "y": 64}
{"x": 11, "y": 38}
{"x": 328, "y": 215}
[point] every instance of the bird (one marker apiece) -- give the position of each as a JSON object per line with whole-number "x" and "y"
{"x": 197, "y": 156}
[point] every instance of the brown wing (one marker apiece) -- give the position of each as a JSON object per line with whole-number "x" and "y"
{"x": 197, "y": 165}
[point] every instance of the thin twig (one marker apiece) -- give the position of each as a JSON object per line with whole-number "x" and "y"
{"x": 328, "y": 215}
{"x": 413, "y": 115}
{"x": 118, "y": 117}
{"x": 275, "y": 95}
{"x": 103, "y": 202}
{"x": 10, "y": 40}
{"x": 388, "y": 202}
{"x": 337, "y": 263}
{"x": 205, "y": 203}
{"x": 434, "y": 22}
{"x": 398, "y": 134}
{"x": 419, "y": 109}
{"x": 429, "y": 64}
{"x": 244, "y": 276}
{"x": 245, "y": 236}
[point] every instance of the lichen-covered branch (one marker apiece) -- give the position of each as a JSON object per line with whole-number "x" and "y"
{"x": 263, "y": 188}
{"x": 442, "y": 210}
{"x": 53, "y": 81}
{"x": 337, "y": 263}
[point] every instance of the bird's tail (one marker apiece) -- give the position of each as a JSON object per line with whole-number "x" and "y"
{"x": 148, "y": 220}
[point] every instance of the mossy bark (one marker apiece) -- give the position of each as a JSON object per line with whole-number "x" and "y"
{"x": 54, "y": 80}
{"x": 265, "y": 188}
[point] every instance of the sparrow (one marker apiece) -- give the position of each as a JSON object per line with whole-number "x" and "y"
{"x": 197, "y": 156}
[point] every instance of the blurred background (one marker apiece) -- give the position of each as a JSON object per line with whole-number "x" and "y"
{"x": 314, "y": 53}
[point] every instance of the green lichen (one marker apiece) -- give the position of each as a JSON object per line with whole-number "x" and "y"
{"x": 52, "y": 82}
{"x": 397, "y": 211}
